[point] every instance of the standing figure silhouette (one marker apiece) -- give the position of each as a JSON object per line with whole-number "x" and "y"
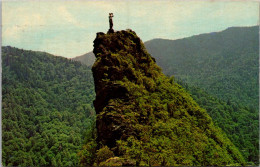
{"x": 111, "y": 22}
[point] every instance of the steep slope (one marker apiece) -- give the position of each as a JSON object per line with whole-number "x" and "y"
{"x": 240, "y": 123}
{"x": 46, "y": 107}
{"x": 225, "y": 64}
{"x": 145, "y": 118}
{"x": 88, "y": 58}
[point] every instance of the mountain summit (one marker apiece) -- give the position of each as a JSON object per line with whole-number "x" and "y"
{"x": 146, "y": 118}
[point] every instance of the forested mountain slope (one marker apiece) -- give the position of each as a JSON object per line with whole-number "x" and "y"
{"x": 225, "y": 63}
{"x": 46, "y": 108}
{"x": 145, "y": 118}
{"x": 240, "y": 123}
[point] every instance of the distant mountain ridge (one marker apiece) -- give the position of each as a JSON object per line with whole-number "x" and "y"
{"x": 88, "y": 58}
{"x": 223, "y": 63}
{"x": 210, "y": 60}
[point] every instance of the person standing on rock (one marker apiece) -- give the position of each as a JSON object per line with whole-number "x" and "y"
{"x": 111, "y": 22}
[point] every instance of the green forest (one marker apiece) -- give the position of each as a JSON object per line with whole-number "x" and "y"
{"x": 220, "y": 70}
{"x": 46, "y": 110}
{"x": 240, "y": 123}
{"x": 149, "y": 120}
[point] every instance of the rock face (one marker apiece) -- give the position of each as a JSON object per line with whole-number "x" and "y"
{"x": 145, "y": 117}
{"x": 111, "y": 67}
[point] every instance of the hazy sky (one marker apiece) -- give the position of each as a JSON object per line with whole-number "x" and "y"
{"x": 68, "y": 28}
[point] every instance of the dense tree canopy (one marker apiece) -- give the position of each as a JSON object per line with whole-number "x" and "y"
{"x": 225, "y": 65}
{"x": 240, "y": 123}
{"x": 47, "y": 107}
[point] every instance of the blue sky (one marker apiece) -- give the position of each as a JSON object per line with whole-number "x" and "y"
{"x": 68, "y": 28}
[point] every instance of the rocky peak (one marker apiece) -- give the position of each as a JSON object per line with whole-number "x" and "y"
{"x": 145, "y": 117}
{"x": 120, "y": 56}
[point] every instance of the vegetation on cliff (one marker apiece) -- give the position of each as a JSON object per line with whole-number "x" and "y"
{"x": 240, "y": 123}
{"x": 146, "y": 118}
{"x": 46, "y": 108}
{"x": 225, "y": 65}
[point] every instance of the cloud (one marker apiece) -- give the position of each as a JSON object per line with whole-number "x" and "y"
{"x": 68, "y": 43}
{"x": 67, "y": 17}
{"x": 68, "y": 28}
{"x": 14, "y": 26}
